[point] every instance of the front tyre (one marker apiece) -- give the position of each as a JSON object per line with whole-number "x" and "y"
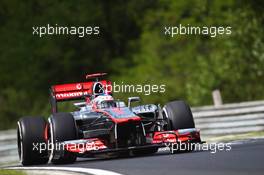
{"x": 62, "y": 128}
{"x": 179, "y": 115}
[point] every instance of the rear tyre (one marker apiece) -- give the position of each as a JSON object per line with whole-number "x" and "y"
{"x": 32, "y": 146}
{"x": 62, "y": 128}
{"x": 179, "y": 115}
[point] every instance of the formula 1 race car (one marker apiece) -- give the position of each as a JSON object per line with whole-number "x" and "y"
{"x": 101, "y": 126}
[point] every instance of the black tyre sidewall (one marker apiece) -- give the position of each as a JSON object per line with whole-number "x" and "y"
{"x": 31, "y": 129}
{"x": 64, "y": 129}
{"x": 179, "y": 115}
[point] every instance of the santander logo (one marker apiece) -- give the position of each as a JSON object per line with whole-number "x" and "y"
{"x": 70, "y": 94}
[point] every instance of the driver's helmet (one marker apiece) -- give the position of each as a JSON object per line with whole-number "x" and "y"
{"x": 104, "y": 101}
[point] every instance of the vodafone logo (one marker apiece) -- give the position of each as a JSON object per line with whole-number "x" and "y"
{"x": 78, "y": 86}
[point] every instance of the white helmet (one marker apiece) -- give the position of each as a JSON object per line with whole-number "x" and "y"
{"x": 104, "y": 101}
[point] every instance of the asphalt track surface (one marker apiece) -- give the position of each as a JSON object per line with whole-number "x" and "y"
{"x": 244, "y": 158}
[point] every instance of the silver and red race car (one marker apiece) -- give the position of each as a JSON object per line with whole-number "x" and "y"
{"x": 102, "y": 126}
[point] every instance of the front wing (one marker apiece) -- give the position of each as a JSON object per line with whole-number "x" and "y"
{"x": 88, "y": 147}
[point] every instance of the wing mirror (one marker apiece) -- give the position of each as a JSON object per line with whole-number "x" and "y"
{"x": 120, "y": 104}
{"x": 132, "y": 99}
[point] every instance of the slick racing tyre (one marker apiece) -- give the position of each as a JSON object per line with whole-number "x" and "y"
{"x": 62, "y": 128}
{"x": 179, "y": 115}
{"x": 32, "y": 146}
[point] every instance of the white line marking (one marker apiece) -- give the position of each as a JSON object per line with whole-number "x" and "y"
{"x": 71, "y": 169}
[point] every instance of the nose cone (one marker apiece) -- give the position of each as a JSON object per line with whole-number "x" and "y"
{"x": 127, "y": 120}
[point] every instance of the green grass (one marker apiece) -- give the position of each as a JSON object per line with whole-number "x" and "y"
{"x": 11, "y": 172}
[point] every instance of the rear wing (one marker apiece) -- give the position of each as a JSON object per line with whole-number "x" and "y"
{"x": 75, "y": 91}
